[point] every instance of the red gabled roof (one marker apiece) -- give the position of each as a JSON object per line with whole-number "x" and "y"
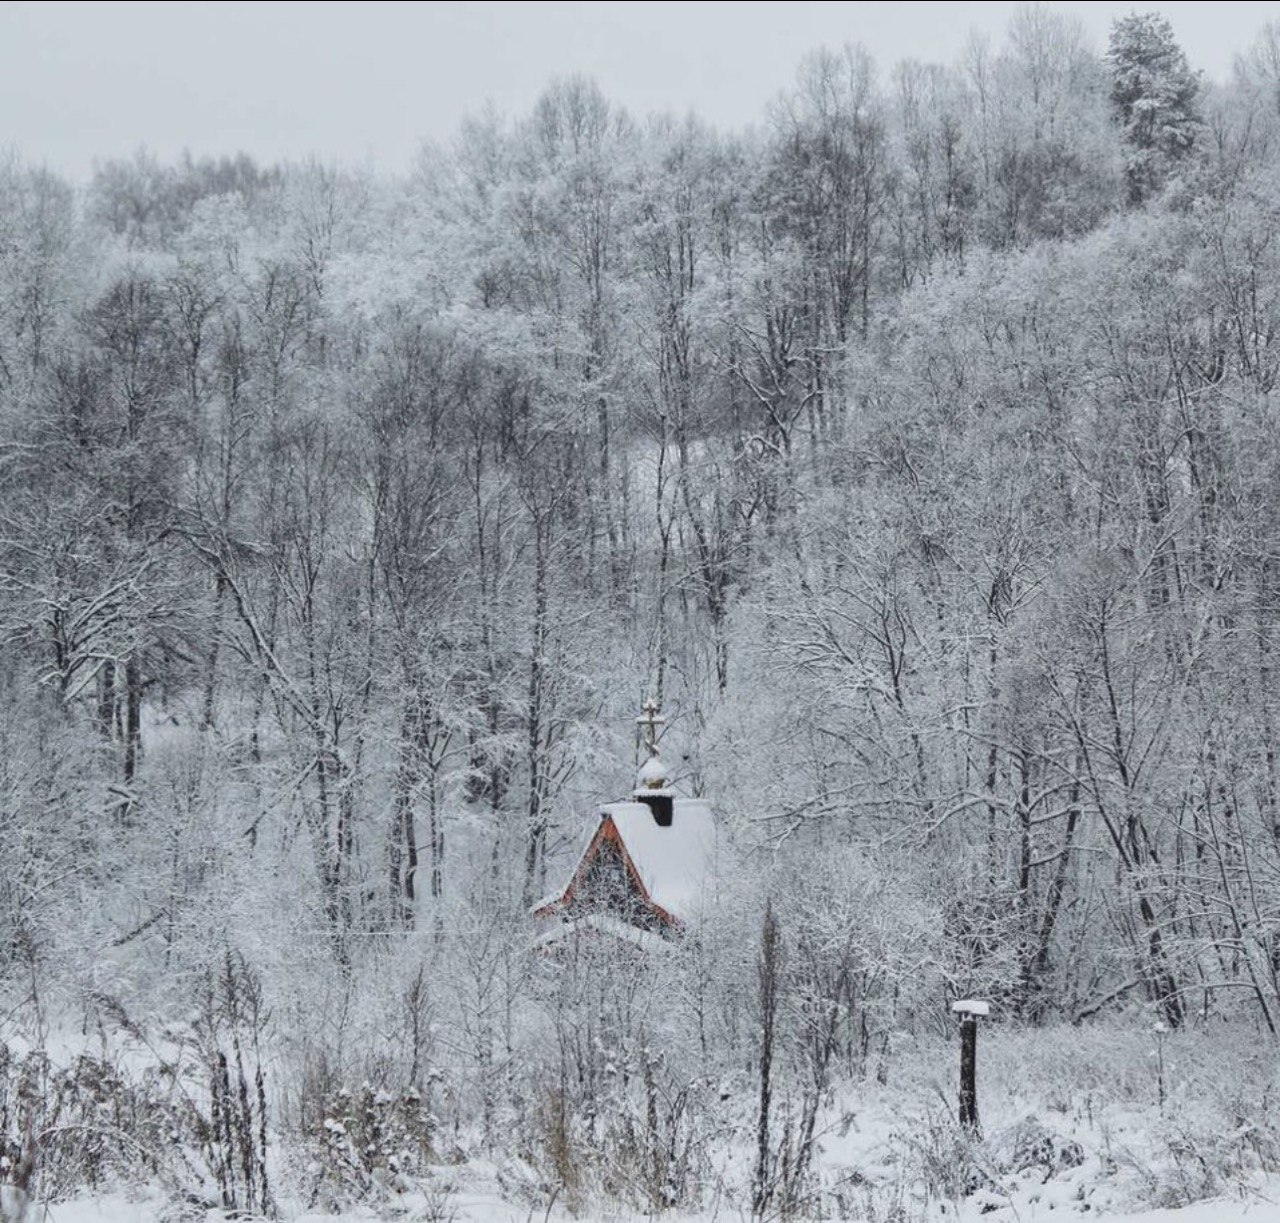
{"x": 607, "y": 831}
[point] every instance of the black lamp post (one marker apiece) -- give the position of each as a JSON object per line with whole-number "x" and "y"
{"x": 969, "y": 1009}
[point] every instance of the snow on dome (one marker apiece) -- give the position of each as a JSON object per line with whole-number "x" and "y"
{"x": 653, "y": 775}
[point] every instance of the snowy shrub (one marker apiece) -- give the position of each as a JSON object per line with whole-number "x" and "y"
{"x": 87, "y": 1124}
{"x": 1029, "y": 1143}
{"x": 233, "y": 1135}
{"x": 638, "y": 1134}
{"x": 950, "y": 1162}
{"x": 368, "y": 1142}
{"x": 19, "y": 1104}
{"x": 1190, "y": 1159}
{"x": 192, "y": 1115}
{"x": 231, "y": 1131}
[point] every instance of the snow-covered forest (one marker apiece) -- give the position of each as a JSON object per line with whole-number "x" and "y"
{"x": 918, "y": 449}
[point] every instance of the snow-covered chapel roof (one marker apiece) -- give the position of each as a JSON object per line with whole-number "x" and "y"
{"x": 673, "y": 863}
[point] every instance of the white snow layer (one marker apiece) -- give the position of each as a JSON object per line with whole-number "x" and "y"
{"x": 481, "y": 1209}
{"x": 675, "y": 863}
{"x": 604, "y": 923}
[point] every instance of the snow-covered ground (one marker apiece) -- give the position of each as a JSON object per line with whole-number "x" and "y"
{"x": 1079, "y": 1123}
{"x": 1264, "y": 1208}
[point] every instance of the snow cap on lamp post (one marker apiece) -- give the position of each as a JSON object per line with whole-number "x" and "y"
{"x": 969, "y": 1009}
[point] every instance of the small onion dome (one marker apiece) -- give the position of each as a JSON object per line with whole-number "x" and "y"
{"x": 652, "y": 776}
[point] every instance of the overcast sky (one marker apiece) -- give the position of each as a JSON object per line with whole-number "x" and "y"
{"x": 354, "y": 82}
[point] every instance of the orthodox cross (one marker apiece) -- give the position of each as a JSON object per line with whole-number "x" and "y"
{"x": 651, "y": 720}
